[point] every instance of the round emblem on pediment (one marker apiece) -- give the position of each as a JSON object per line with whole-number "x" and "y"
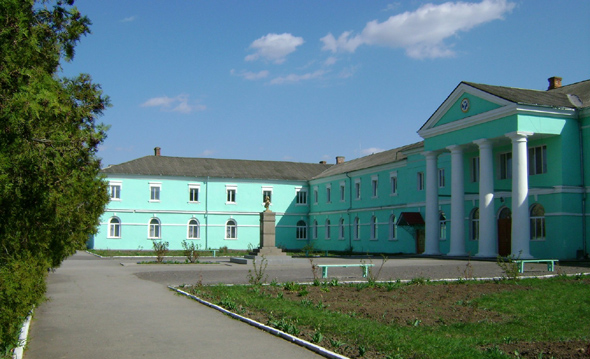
{"x": 465, "y": 104}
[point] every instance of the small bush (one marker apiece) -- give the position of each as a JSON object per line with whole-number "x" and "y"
{"x": 191, "y": 251}
{"x": 160, "y": 248}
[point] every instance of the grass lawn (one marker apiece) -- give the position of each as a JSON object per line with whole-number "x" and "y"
{"x": 528, "y": 318}
{"x": 170, "y": 253}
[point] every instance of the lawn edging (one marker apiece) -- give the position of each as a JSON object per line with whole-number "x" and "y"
{"x": 22, "y": 338}
{"x": 293, "y": 339}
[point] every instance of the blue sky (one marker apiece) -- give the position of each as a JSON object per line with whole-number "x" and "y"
{"x": 306, "y": 81}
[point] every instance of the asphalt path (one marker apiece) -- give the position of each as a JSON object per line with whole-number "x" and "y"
{"x": 117, "y": 308}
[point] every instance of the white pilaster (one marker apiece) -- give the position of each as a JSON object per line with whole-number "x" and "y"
{"x": 520, "y": 192}
{"x": 457, "y": 247}
{"x": 432, "y": 215}
{"x": 487, "y": 218}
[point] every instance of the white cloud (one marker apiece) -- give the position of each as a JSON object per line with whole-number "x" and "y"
{"x": 129, "y": 19}
{"x": 347, "y": 72}
{"x": 252, "y": 76}
{"x": 330, "y": 61}
{"x": 293, "y": 78}
{"x": 371, "y": 150}
{"x": 180, "y": 103}
{"x": 274, "y": 47}
{"x": 422, "y": 32}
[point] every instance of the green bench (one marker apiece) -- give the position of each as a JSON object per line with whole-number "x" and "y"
{"x": 550, "y": 263}
{"x": 325, "y": 267}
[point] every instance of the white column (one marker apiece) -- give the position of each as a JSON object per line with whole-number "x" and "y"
{"x": 487, "y": 218}
{"x": 432, "y": 215}
{"x": 520, "y": 192}
{"x": 457, "y": 203}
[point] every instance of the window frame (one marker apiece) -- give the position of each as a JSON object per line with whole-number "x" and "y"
{"x": 191, "y": 229}
{"x": 301, "y": 196}
{"x": 393, "y": 183}
{"x": 266, "y": 190}
{"x": 441, "y": 178}
{"x": 474, "y": 167}
{"x": 155, "y": 191}
{"x": 341, "y": 230}
{"x": 474, "y": 224}
{"x": 535, "y": 221}
{"x": 374, "y": 228}
{"x": 534, "y": 162}
{"x": 392, "y": 228}
{"x": 155, "y": 229}
{"x": 114, "y": 226}
{"x": 119, "y": 186}
{"x": 328, "y": 230}
{"x": 301, "y": 230}
{"x": 375, "y": 186}
{"x": 357, "y": 229}
{"x": 420, "y": 180}
{"x": 342, "y": 191}
{"x": 329, "y": 193}
{"x": 192, "y": 189}
{"x": 314, "y": 231}
{"x": 231, "y": 230}
{"x": 505, "y": 165}
{"x": 357, "y": 189}
{"x": 231, "y": 194}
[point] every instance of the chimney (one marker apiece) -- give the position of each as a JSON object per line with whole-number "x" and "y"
{"x": 339, "y": 159}
{"x": 554, "y": 82}
{"x": 322, "y": 162}
{"x": 157, "y": 151}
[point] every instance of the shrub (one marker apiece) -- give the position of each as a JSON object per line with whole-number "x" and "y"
{"x": 191, "y": 251}
{"x": 160, "y": 248}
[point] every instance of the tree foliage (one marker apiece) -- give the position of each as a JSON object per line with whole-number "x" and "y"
{"x": 51, "y": 193}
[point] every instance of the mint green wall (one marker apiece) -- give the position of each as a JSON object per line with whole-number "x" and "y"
{"x": 477, "y": 106}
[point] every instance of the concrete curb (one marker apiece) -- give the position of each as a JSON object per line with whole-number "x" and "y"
{"x": 22, "y": 338}
{"x": 310, "y": 346}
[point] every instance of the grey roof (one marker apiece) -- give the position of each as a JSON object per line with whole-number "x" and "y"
{"x": 217, "y": 168}
{"x": 376, "y": 159}
{"x": 552, "y": 98}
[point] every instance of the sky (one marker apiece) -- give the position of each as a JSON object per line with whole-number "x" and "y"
{"x": 306, "y": 81}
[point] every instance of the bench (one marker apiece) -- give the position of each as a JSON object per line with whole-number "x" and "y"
{"x": 550, "y": 263}
{"x": 325, "y": 267}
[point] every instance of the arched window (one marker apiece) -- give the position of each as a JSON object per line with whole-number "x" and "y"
{"x": 474, "y": 224}
{"x": 315, "y": 229}
{"x": 155, "y": 229}
{"x": 537, "y": 222}
{"x": 374, "y": 232}
{"x": 231, "y": 229}
{"x": 357, "y": 228}
{"x": 114, "y": 228}
{"x": 301, "y": 231}
{"x": 193, "y": 229}
{"x": 341, "y": 229}
{"x": 442, "y": 226}
{"x": 392, "y": 228}
{"x": 328, "y": 229}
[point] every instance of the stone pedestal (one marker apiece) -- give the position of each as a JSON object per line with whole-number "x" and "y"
{"x": 267, "y": 237}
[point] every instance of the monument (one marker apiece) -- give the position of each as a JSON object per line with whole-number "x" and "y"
{"x": 267, "y": 234}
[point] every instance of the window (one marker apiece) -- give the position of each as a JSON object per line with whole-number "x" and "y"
{"x": 315, "y": 195}
{"x": 193, "y": 193}
{"x": 231, "y": 192}
{"x": 374, "y": 232}
{"x": 115, "y": 190}
{"x": 374, "y": 186}
{"x": 327, "y": 233}
{"x": 315, "y": 229}
{"x": 342, "y": 192}
{"x": 193, "y": 229}
{"x": 537, "y": 222}
{"x": 301, "y": 196}
{"x": 301, "y": 231}
{"x": 357, "y": 228}
{"x": 442, "y": 226}
{"x": 392, "y": 228}
{"x": 393, "y": 183}
{"x": 341, "y": 229}
{"x": 506, "y": 165}
{"x": 155, "y": 229}
{"x": 441, "y": 178}
{"x": 420, "y": 179}
{"x": 115, "y": 228}
{"x": 357, "y": 189}
{"x": 537, "y": 160}
{"x": 475, "y": 169}
{"x": 328, "y": 193}
{"x": 231, "y": 229}
{"x": 155, "y": 192}
{"x": 474, "y": 224}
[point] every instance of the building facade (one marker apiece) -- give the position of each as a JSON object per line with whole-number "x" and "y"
{"x": 500, "y": 171}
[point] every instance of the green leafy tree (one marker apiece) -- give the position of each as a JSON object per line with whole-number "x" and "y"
{"x": 51, "y": 193}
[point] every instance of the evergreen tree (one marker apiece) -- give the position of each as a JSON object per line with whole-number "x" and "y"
{"x": 51, "y": 193}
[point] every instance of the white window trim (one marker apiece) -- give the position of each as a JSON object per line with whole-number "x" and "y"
{"x": 297, "y": 190}
{"x": 356, "y": 229}
{"x": 328, "y": 229}
{"x": 159, "y": 228}
{"x": 267, "y": 189}
{"x": 341, "y": 229}
{"x": 231, "y": 188}
{"x": 159, "y": 186}
{"x": 374, "y": 229}
{"x": 115, "y": 183}
{"x": 110, "y": 225}
{"x": 392, "y": 235}
{"x": 357, "y": 189}
{"x": 188, "y": 225}
{"x": 303, "y": 229}
{"x": 194, "y": 186}
{"x": 342, "y": 191}
{"x": 392, "y": 189}
{"x": 375, "y": 186}
{"x": 235, "y": 238}
{"x": 329, "y": 193}
{"x": 315, "y": 194}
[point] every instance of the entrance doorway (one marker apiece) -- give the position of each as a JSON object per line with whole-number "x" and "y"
{"x": 505, "y": 232}
{"x": 420, "y": 241}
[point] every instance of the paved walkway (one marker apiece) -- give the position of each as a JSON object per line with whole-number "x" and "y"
{"x": 114, "y": 308}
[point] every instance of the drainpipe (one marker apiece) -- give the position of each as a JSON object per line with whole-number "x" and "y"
{"x": 207, "y": 212}
{"x": 584, "y": 246}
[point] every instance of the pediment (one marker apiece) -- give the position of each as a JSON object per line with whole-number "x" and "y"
{"x": 464, "y": 104}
